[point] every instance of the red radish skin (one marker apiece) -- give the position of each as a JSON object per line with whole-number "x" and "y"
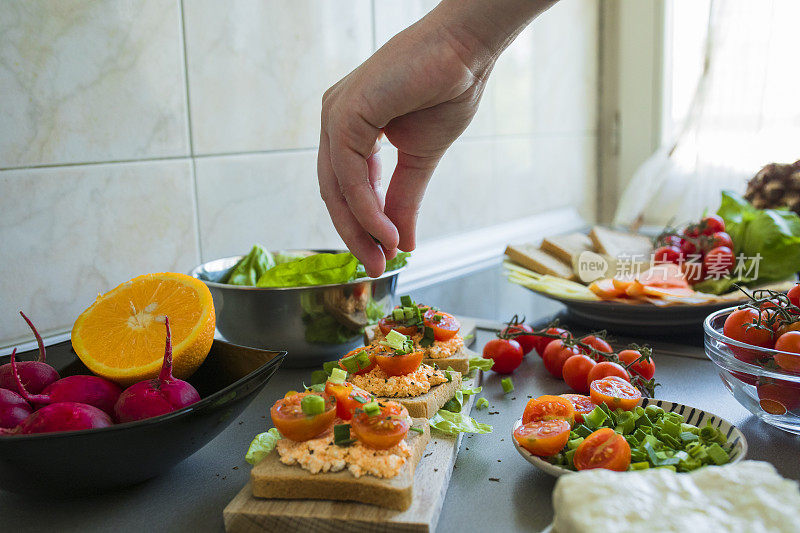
{"x": 155, "y": 397}
{"x": 13, "y": 408}
{"x": 64, "y": 416}
{"x": 91, "y": 390}
{"x": 35, "y": 375}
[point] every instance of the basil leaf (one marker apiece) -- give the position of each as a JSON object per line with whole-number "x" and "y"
{"x": 262, "y": 445}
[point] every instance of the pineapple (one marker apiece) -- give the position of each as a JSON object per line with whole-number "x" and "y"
{"x": 776, "y": 185}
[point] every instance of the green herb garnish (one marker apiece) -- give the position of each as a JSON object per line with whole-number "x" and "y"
{"x": 507, "y": 384}
{"x": 312, "y": 405}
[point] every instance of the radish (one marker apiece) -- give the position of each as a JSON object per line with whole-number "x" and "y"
{"x": 64, "y": 416}
{"x": 36, "y": 375}
{"x": 91, "y": 390}
{"x": 13, "y": 407}
{"x": 155, "y": 397}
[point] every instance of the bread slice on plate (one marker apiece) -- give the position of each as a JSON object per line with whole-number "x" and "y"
{"x": 567, "y": 248}
{"x": 539, "y": 261}
{"x": 272, "y": 479}
{"x": 426, "y": 405}
{"x": 617, "y": 243}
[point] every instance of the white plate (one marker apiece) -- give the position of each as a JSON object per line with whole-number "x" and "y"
{"x": 691, "y": 415}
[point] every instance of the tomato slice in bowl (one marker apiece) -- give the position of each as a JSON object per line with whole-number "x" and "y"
{"x": 548, "y": 407}
{"x": 543, "y": 437}
{"x": 583, "y": 405}
{"x": 288, "y": 417}
{"x": 444, "y": 325}
{"x": 615, "y": 392}
{"x": 383, "y": 430}
{"x": 398, "y": 364}
{"x": 605, "y": 448}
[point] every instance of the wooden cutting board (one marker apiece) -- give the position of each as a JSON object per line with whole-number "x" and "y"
{"x": 246, "y": 514}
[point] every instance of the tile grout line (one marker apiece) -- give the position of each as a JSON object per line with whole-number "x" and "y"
{"x": 193, "y": 164}
{"x": 374, "y": 27}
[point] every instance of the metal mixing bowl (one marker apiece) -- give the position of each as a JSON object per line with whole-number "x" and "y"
{"x": 314, "y": 324}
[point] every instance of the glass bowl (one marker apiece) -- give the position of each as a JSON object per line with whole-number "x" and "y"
{"x": 773, "y": 395}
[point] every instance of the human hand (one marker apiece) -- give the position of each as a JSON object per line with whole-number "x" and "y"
{"x": 421, "y": 90}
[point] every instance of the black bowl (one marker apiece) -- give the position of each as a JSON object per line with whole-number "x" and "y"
{"x": 85, "y": 462}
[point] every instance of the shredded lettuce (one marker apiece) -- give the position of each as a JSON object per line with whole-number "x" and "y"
{"x": 262, "y": 446}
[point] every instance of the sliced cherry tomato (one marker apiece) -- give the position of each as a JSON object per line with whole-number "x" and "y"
{"x": 788, "y": 342}
{"x": 348, "y": 398}
{"x": 526, "y": 342}
{"x": 288, "y": 417}
{"x": 778, "y": 397}
{"x": 370, "y": 350}
{"x": 548, "y": 407}
{"x": 397, "y": 364}
{"x": 667, "y": 254}
{"x": 718, "y": 262}
{"x": 383, "y": 430}
{"x": 583, "y": 405}
{"x": 739, "y": 326}
{"x": 388, "y": 324}
{"x": 604, "y": 448}
{"x": 576, "y": 372}
{"x": 444, "y": 327}
{"x": 646, "y": 369}
{"x": 555, "y": 355}
{"x": 506, "y": 354}
{"x": 615, "y": 392}
{"x": 542, "y": 342}
{"x": 543, "y": 437}
{"x": 711, "y": 224}
{"x": 598, "y": 344}
{"x": 605, "y": 369}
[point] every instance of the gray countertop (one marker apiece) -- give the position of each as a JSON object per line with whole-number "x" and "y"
{"x": 192, "y": 495}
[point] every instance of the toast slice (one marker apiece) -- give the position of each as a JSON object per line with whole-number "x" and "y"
{"x": 567, "y": 248}
{"x": 539, "y": 261}
{"x": 426, "y": 405}
{"x": 618, "y": 244}
{"x": 272, "y": 479}
{"x": 459, "y": 361}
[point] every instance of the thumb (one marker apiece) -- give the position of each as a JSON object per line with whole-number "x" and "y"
{"x": 405, "y": 192}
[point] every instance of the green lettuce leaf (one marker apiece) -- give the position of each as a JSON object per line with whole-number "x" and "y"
{"x": 455, "y": 423}
{"x": 772, "y": 234}
{"x": 251, "y": 267}
{"x": 400, "y": 260}
{"x": 319, "y": 269}
{"x": 480, "y": 363}
{"x": 262, "y": 445}
{"x": 287, "y": 257}
{"x": 456, "y": 403}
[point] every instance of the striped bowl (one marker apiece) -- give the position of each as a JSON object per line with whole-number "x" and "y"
{"x": 692, "y": 415}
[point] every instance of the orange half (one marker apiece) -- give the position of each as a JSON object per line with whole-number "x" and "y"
{"x": 121, "y": 336}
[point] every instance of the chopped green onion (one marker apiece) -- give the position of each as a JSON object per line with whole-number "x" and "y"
{"x": 642, "y": 465}
{"x": 428, "y": 337}
{"x": 350, "y": 363}
{"x": 328, "y": 366}
{"x": 397, "y": 341}
{"x": 687, "y": 436}
{"x": 406, "y": 301}
{"x": 437, "y": 318}
{"x": 507, "y": 384}
{"x": 318, "y": 376}
{"x": 717, "y": 454}
{"x": 338, "y": 376}
{"x": 398, "y": 315}
{"x": 362, "y": 360}
{"x": 341, "y": 435}
{"x": 418, "y": 430}
{"x": 408, "y": 313}
{"x": 668, "y": 467}
{"x": 481, "y": 403}
{"x": 596, "y": 418}
{"x": 359, "y": 398}
{"x": 372, "y": 408}
{"x": 312, "y": 405}
{"x": 574, "y": 443}
{"x": 583, "y": 430}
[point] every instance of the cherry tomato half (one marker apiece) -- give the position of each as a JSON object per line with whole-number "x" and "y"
{"x": 348, "y": 398}
{"x": 739, "y": 326}
{"x": 548, "y": 407}
{"x": 646, "y": 369}
{"x": 526, "y": 342}
{"x": 370, "y": 350}
{"x": 506, "y": 354}
{"x": 288, "y": 417}
{"x": 604, "y": 448}
{"x": 583, "y": 405}
{"x": 605, "y": 369}
{"x": 576, "y": 372}
{"x": 543, "y": 437}
{"x": 397, "y": 364}
{"x": 615, "y": 392}
{"x": 777, "y": 397}
{"x": 444, "y": 327}
{"x": 542, "y": 342}
{"x": 555, "y": 355}
{"x": 788, "y": 342}
{"x": 388, "y": 324}
{"x": 384, "y": 430}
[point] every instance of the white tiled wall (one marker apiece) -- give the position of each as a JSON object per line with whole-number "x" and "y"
{"x": 147, "y": 135}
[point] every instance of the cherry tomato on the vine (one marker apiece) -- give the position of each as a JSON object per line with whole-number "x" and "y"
{"x": 646, "y": 369}
{"x": 555, "y": 355}
{"x": 667, "y": 254}
{"x": 794, "y": 295}
{"x": 598, "y": 344}
{"x": 711, "y": 224}
{"x": 606, "y": 369}
{"x": 788, "y": 342}
{"x": 741, "y": 326}
{"x": 506, "y": 354}
{"x": 576, "y": 372}
{"x": 542, "y": 342}
{"x": 527, "y": 342}
{"x": 718, "y": 262}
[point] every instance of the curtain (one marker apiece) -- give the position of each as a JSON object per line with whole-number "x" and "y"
{"x": 745, "y": 113}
